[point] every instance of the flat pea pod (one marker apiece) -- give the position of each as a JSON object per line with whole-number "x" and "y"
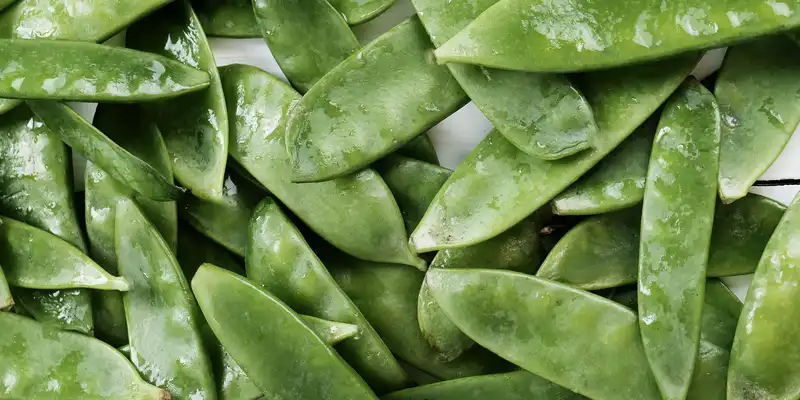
{"x": 603, "y": 251}
{"x": 227, "y": 18}
{"x": 308, "y": 38}
{"x": 358, "y": 11}
{"x": 721, "y": 311}
{"x": 517, "y": 249}
{"x": 268, "y": 352}
{"x": 759, "y": 99}
{"x": 98, "y": 148}
{"x": 517, "y": 385}
{"x": 420, "y": 148}
{"x": 505, "y": 185}
{"x": 615, "y": 183}
{"x": 341, "y": 125}
{"x": 162, "y": 316}
{"x": 570, "y": 37}
{"x": 544, "y": 115}
{"x": 195, "y": 127}
{"x": 6, "y": 300}
{"x": 360, "y": 203}
{"x": 387, "y": 295}
{"x": 38, "y": 362}
{"x": 223, "y": 222}
{"x": 549, "y": 329}
{"x": 61, "y": 309}
{"x": 685, "y": 159}
{"x": 710, "y": 373}
{"x": 276, "y": 253}
{"x": 330, "y": 332}
{"x": 765, "y": 334}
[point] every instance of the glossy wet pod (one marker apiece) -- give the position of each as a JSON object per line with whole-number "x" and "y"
{"x": 227, "y": 18}
{"x": 6, "y": 301}
{"x": 518, "y": 385}
{"x": 270, "y": 352}
{"x": 576, "y": 36}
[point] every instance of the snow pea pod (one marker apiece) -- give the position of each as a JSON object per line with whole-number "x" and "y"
{"x": 195, "y": 127}
{"x": 62, "y": 309}
{"x": 308, "y": 38}
{"x": 38, "y": 362}
{"x": 162, "y": 315}
{"x": 196, "y": 249}
{"x": 721, "y": 310}
{"x": 360, "y": 203}
{"x": 359, "y": 11}
{"x": 330, "y": 332}
{"x": 341, "y": 125}
{"x": 98, "y": 148}
{"x": 552, "y": 36}
{"x": 685, "y": 159}
{"x": 227, "y": 18}
{"x": 759, "y": 99}
{"x": 420, "y": 148}
{"x": 6, "y": 300}
{"x": 767, "y": 330}
{"x": 268, "y": 352}
{"x": 549, "y": 329}
{"x": 505, "y": 185}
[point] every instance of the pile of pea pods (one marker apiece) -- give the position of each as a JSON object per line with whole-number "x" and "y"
{"x": 239, "y": 236}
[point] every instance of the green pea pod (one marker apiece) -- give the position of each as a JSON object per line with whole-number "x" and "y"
{"x": 196, "y": 249}
{"x": 335, "y": 210}
{"x": 195, "y": 127}
{"x": 766, "y": 332}
{"x": 359, "y": 11}
{"x": 542, "y": 114}
{"x": 37, "y": 362}
{"x": 616, "y": 183}
{"x": 5, "y": 3}
{"x": 276, "y": 252}
{"x": 603, "y": 251}
{"x": 341, "y": 125}
{"x": 505, "y": 185}
{"x": 268, "y": 353}
{"x": 721, "y": 310}
{"x": 420, "y": 148}
{"x": 685, "y": 159}
{"x": 62, "y": 309}
{"x": 759, "y": 99}
{"x": 6, "y": 300}
{"x": 223, "y": 221}
{"x": 103, "y": 152}
{"x": 387, "y": 295}
{"x": 710, "y": 373}
{"x": 308, "y": 38}
{"x": 227, "y": 18}
{"x": 517, "y": 249}
{"x": 161, "y": 313}
{"x": 571, "y": 37}
{"x": 330, "y": 332}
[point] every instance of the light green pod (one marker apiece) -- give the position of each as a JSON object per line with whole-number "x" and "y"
{"x": 341, "y": 125}
{"x": 759, "y": 99}
{"x": 6, "y": 300}
{"x": 61, "y": 309}
{"x": 162, "y": 316}
{"x": 38, "y": 362}
{"x": 330, "y": 332}
{"x": 676, "y": 235}
{"x": 269, "y": 353}
{"x": 360, "y": 11}
{"x": 308, "y": 38}
{"x": 498, "y": 185}
{"x": 767, "y": 330}
{"x": 336, "y": 209}
{"x": 420, "y": 148}
{"x": 227, "y": 18}
{"x": 195, "y": 127}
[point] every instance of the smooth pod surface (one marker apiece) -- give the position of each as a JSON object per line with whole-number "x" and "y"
{"x": 196, "y": 249}
{"x": 341, "y": 125}
{"x": 162, "y": 316}
{"x": 721, "y": 311}
{"x": 552, "y": 36}
{"x": 195, "y": 127}
{"x": 69, "y": 309}
{"x": 6, "y": 301}
{"x": 505, "y": 185}
{"x": 358, "y": 11}
{"x": 335, "y": 209}
{"x": 420, "y": 148}
{"x": 759, "y": 99}
{"x": 227, "y": 18}
{"x": 549, "y": 329}
{"x": 308, "y": 38}
{"x": 39, "y": 362}
{"x": 268, "y": 352}
{"x": 330, "y": 332}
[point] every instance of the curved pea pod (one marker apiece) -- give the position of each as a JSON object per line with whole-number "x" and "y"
{"x": 308, "y": 38}
{"x": 123, "y": 166}
{"x": 160, "y": 309}
{"x": 505, "y": 185}
{"x": 766, "y": 331}
{"x": 616, "y": 183}
{"x": 360, "y": 203}
{"x": 550, "y": 330}
{"x": 359, "y": 11}
{"x": 420, "y": 148}
{"x": 721, "y": 311}
{"x": 341, "y": 125}
{"x": 517, "y": 249}
{"x": 268, "y": 352}
{"x": 685, "y": 159}
{"x": 387, "y": 295}
{"x": 38, "y": 362}
{"x": 759, "y": 99}
{"x": 227, "y": 18}
{"x": 195, "y": 127}
{"x": 571, "y": 37}
{"x": 330, "y": 332}
{"x": 61, "y": 309}
{"x": 518, "y": 385}
{"x": 276, "y": 253}
{"x": 6, "y": 301}
{"x": 710, "y": 373}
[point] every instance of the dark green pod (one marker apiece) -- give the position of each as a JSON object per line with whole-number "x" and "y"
{"x": 420, "y": 148}
{"x": 6, "y": 301}
{"x": 227, "y": 18}
{"x": 518, "y": 385}
{"x": 62, "y": 309}
{"x": 196, "y": 249}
